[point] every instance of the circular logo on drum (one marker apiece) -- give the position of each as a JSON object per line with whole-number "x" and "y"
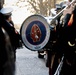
{"x": 35, "y": 32}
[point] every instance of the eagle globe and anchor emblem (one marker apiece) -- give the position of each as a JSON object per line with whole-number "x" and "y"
{"x": 35, "y": 32}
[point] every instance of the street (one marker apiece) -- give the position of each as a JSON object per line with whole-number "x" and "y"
{"x": 28, "y": 63}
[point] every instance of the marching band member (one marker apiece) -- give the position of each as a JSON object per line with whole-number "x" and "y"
{"x": 68, "y": 37}
{"x": 7, "y": 64}
{"x": 65, "y": 41}
{"x": 7, "y": 24}
{"x": 14, "y": 36}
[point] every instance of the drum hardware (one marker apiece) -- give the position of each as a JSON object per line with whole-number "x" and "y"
{"x": 70, "y": 44}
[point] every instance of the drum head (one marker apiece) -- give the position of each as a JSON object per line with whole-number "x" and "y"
{"x": 35, "y": 32}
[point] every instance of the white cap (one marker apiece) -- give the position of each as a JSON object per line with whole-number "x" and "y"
{"x": 6, "y": 11}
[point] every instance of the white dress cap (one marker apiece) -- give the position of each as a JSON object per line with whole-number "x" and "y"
{"x": 6, "y": 11}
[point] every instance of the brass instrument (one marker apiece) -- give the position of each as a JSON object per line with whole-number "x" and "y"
{"x": 60, "y": 13}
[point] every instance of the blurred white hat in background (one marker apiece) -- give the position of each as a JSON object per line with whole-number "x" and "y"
{"x": 6, "y": 10}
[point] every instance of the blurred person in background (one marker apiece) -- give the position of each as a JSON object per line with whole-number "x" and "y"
{"x": 15, "y": 37}
{"x": 9, "y": 42}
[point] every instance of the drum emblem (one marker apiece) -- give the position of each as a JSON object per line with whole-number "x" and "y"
{"x": 35, "y": 33}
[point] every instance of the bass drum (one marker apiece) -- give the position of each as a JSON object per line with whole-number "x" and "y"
{"x": 35, "y": 32}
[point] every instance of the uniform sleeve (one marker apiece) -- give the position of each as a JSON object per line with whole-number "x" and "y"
{"x": 66, "y": 19}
